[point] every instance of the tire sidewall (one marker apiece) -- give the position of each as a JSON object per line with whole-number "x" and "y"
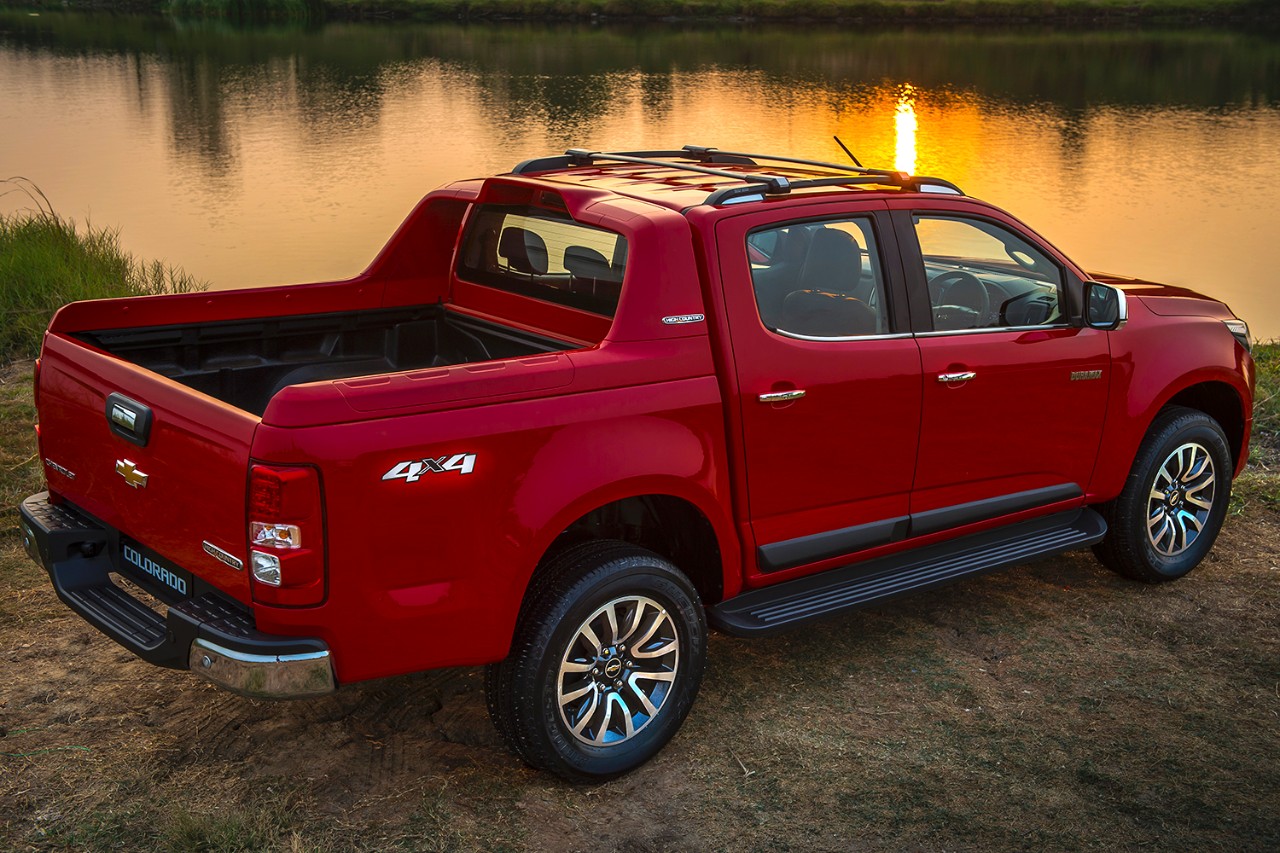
{"x": 628, "y": 576}
{"x": 1201, "y": 430}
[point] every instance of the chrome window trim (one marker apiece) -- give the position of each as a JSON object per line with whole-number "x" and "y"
{"x": 823, "y": 339}
{"x": 988, "y": 329}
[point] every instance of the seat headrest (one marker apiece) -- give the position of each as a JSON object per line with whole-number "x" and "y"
{"x": 833, "y": 264}
{"x": 524, "y": 250}
{"x": 583, "y": 262}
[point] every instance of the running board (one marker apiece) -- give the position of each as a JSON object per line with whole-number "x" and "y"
{"x": 786, "y": 605}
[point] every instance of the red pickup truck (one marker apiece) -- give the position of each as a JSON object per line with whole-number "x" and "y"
{"x": 573, "y": 413}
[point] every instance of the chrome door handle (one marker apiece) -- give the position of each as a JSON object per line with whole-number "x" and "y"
{"x": 956, "y": 377}
{"x": 781, "y": 396}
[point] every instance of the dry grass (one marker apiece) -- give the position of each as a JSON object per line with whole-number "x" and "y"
{"x": 1055, "y": 706}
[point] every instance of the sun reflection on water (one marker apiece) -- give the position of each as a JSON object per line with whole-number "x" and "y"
{"x": 904, "y": 131}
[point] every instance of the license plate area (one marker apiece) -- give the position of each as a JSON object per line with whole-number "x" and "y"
{"x": 152, "y": 572}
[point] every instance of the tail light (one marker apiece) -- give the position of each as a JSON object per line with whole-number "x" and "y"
{"x": 286, "y": 535}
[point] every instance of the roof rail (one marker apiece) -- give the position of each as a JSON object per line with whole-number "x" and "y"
{"x": 700, "y": 151}
{"x": 758, "y": 184}
{"x": 774, "y": 184}
{"x": 919, "y": 183}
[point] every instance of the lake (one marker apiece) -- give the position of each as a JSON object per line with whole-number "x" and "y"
{"x": 284, "y": 154}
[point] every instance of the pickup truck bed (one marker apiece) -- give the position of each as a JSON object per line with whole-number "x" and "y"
{"x": 247, "y": 362}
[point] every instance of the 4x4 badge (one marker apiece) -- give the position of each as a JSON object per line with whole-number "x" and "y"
{"x": 129, "y": 470}
{"x": 412, "y": 471}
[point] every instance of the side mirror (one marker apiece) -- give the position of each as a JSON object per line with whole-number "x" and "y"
{"x": 1104, "y": 306}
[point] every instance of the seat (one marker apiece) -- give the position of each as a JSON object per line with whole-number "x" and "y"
{"x": 774, "y": 282}
{"x": 826, "y": 315}
{"x": 524, "y": 250}
{"x": 834, "y": 264}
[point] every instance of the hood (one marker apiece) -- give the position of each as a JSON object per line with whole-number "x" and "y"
{"x": 1165, "y": 299}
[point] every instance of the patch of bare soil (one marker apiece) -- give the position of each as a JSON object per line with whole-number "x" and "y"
{"x": 1054, "y": 705}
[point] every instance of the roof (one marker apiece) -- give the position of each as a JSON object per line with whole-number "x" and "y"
{"x": 697, "y": 175}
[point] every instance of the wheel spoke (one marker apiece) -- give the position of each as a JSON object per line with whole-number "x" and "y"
{"x": 656, "y": 676}
{"x": 587, "y": 714}
{"x": 665, "y": 649}
{"x": 608, "y": 718}
{"x": 649, "y": 707}
{"x": 574, "y": 666}
{"x": 636, "y": 615}
{"x": 590, "y": 636}
{"x": 611, "y": 616}
{"x": 566, "y": 698}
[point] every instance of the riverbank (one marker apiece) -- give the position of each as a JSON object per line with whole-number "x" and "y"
{"x": 978, "y": 12}
{"x": 47, "y": 261}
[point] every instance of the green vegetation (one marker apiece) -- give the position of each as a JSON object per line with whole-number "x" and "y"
{"x": 1083, "y": 11}
{"x": 46, "y": 261}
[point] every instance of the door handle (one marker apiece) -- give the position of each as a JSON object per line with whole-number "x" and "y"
{"x": 956, "y": 377}
{"x": 782, "y": 396}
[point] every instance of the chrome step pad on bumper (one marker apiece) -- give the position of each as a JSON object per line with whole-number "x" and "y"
{"x": 206, "y": 633}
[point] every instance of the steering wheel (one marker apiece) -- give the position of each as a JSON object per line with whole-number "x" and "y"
{"x": 963, "y": 301}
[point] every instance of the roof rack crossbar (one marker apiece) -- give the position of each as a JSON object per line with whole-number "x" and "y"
{"x": 774, "y": 184}
{"x": 704, "y": 151}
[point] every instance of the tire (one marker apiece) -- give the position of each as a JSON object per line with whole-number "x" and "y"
{"x": 576, "y": 697}
{"x": 1169, "y": 514}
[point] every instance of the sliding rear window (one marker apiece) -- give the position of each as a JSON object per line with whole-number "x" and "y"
{"x": 547, "y": 255}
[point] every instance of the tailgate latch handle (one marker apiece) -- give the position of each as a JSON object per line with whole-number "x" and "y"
{"x": 129, "y": 419}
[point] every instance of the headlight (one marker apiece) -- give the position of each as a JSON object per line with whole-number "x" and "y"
{"x": 1240, "y": 329}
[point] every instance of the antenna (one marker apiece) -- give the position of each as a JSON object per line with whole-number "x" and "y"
{"x": 847, "y": 151}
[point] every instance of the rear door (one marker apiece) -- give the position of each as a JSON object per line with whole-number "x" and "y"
{"x": 1014, "y": 392}
{"x": 165, "y": 465}
{"x": 828, "y": 381}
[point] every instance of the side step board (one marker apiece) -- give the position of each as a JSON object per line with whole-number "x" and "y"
{"x": 786, "y": 605}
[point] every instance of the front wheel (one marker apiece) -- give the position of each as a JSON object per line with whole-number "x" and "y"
{"x": 606, "y": 662}
{"x": 1172, "y": 507}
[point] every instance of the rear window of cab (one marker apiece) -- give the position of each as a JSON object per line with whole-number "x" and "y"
{"x": 546, "y": 255}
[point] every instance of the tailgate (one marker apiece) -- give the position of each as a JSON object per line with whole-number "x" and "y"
{"x": 177, "y": 494}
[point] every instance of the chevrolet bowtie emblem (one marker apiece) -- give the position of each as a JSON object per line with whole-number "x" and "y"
{"x": 127, "y": 469}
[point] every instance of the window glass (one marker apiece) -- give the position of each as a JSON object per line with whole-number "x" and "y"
{"x": 984, "y": 276}
{"x": 819, "y": 279}
{"x": 539, "y": 253}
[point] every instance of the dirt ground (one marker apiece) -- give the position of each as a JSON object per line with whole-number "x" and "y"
{"x": 1054, "y": 706}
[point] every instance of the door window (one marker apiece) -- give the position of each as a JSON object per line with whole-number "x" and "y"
{"x": 982, "y": 275}
{"x": 818, "y": 279}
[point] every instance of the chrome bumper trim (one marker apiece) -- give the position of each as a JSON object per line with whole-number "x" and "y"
{"x": 297, "y": 676}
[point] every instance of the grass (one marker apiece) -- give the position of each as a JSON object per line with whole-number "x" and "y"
{"x": 46, "y": 261}
{"x": 978, "y": 11}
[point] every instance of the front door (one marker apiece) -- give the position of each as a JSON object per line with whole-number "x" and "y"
{"x": 828, "y": 380}
{"x": 1014, "y": 393}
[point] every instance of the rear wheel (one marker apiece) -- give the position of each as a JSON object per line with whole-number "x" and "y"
{"x": 607, "y": 659}
{"x": 1172, "y": 507}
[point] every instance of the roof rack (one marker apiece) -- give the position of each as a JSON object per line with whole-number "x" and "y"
{"x": 919, "y": 183}
{"x": 759, "y": 184}
{"x": 774, "y": 184}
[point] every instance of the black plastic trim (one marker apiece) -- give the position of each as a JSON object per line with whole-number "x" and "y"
{"x": 933, "y": 521}
{"x": 832, "y": 543}
{"x": 139, "y": 431}
{"x": 80, "y": 554}
{"x": 791, "y": 603}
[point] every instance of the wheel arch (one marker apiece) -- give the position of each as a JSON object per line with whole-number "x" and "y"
{"x": 1219, "y": 394}
{"x": 1220, "y": 401}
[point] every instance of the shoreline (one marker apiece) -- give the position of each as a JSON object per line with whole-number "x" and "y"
{"x": 1081, "y": 13}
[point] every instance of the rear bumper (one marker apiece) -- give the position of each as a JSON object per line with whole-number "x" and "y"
{"x": 207, "y": 632}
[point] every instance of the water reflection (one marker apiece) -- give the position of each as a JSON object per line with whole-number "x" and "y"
{"x": 285, "y": 154}
{"x": 904, "y": 131}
